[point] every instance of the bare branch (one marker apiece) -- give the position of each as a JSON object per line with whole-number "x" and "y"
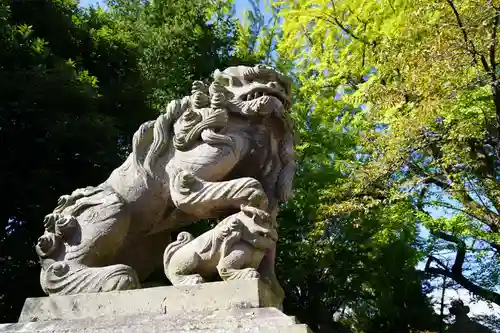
{"x": 468, "y": 43}
{"x": 456, "y": 272}
{"x": 487, "y": 216}
{"x": 493, "y": 45}
{"x": 446, "y": 205}
{"x": 306, "y": 33}
{"x": 348, "y": 31}
{"x": 432, "y": 259}
{"x": 461, "y": 249}
{"x": 494, "y": 82}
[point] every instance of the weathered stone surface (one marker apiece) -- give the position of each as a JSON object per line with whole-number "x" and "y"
{"x": 226, "y": 146}
{"x": 160, "y": 300}
{"x": 240, "y": 306}
{"x": 158, "y": 327}
{"x": 207, "y": 320}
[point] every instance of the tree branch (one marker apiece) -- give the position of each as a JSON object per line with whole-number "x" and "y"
{"x": 420, "y": 200}
{"x": 345, "y": 29}
{"x": 493, "y": 45}
{"x": 461, "y": 249}
{"x": 446, "y": 205}
{"x": 488, "y": 168}
{"x": 420, "y": 205}
{"x": 306, "y": 33}
{"x": 459, "y": 21}
{"x": 456, "y": 272}
{"x": 494, "y": 83}
{"x": 468, "y": 44}
{"x": 487, "y": 216}
{"x": 432, "y": 259}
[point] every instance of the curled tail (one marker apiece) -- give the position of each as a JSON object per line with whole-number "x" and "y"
{"x": 182, "y": 239}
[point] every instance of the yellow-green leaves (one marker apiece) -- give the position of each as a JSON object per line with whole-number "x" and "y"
{"x": 421, "y": 75}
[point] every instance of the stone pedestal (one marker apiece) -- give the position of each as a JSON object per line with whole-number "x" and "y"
{"x": 241, "y": 306}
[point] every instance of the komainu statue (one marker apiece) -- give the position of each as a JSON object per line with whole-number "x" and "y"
{"x": 234, "y": 248}
{"x": 463, "y": 324}
{"x": 224, "y": 151}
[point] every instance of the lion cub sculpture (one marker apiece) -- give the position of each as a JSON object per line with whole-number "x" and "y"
{"x": 234, "y": 249}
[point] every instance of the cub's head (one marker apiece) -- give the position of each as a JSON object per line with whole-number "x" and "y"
{"x": 258, "y": 228}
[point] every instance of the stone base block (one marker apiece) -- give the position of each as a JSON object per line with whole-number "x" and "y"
{"x": 220, "y": 307}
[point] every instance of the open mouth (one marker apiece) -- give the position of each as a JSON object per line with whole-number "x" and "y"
{"x": 260, "y": 92}
{"x": 267, "y": 236}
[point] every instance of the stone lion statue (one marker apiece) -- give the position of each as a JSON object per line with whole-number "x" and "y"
{"x": 463, "y": 324}
{"x": 234, "y": 249}
{"x": 228, "y": 144}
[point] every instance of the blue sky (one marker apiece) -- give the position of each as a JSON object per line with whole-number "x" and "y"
{"x": 86, "y": 3}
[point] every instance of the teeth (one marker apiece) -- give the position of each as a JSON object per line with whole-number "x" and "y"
{"x": 255, "y": 95}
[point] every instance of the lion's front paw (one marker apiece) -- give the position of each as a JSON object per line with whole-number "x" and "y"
{"x": 249, "y": 273}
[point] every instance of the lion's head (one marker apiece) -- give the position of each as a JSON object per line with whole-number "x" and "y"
{"x": 258, "y": 228}
{"x": 245, "y": 84}
{"x": 243, "y": 90}
{"x": 458, "y": 308}
{"x": 249, "y": 91}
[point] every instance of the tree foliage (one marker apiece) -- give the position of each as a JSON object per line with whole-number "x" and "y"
{"x": 423, "y": 79}
{"x": 341, "y": 272}
{"x": 349, "y": 270}
{"x": 61, "y": 121}
{"x": 180, "y": 41}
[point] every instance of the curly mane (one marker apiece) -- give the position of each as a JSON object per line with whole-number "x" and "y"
{"x": 152, "y": 137}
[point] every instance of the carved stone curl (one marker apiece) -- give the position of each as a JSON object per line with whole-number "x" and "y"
{"x": 227, "y": 144}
